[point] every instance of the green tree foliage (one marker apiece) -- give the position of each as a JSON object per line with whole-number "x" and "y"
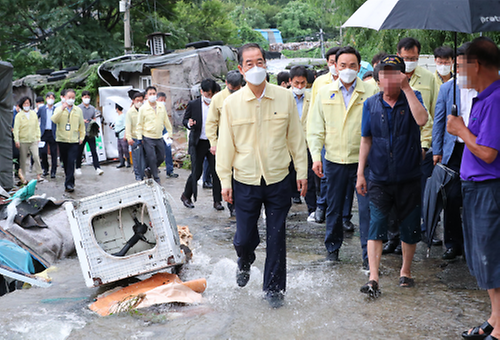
{"x": 252, "y": 17}
{"x": 27, "y": 61}
{"x": 297, "y": 19}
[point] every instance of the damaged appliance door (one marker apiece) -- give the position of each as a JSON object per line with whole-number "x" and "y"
{"x": 124, "y": 232}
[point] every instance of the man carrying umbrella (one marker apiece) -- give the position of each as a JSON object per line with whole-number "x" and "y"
{"x": 448, "y": 150}
{"x": 480, "y": 173}
{"x": 391, "y": 143}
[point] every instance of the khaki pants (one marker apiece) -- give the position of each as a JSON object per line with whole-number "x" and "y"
{"x": 31, "y": 148}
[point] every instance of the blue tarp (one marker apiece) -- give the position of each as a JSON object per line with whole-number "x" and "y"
{"x": 15, "y": 257}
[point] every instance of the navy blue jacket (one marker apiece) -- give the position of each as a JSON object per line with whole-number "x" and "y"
{"x": 42, "y": 115}
{"x": 399, "y": 162}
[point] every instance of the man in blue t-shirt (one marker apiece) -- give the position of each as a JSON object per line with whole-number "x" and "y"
{"x": 390, "y": 142}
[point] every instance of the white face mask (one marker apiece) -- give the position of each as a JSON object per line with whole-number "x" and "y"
{"x": 348, "y": 75}
{"x": 138, "y": 105}
{"x": 50, "y": 101}
{"x": 26, "y": 108}
{"x": 256, "y": 75}
{"x": 207, "y": 100}
{"x": 410, "y": 66}
{"x": 70, "y": 102}
{"x": 152, "y": 99}
{"x": 443, "y": 70}
{"x": 298, "y": 92}
{"x": 86, "y": 101}
{"x": 333, "y": 70}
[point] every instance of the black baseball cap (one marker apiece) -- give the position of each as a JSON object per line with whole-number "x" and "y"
{"x": 393, "y": 61}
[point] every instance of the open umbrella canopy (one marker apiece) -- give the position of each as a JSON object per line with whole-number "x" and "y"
{"x": 466, "y": 16}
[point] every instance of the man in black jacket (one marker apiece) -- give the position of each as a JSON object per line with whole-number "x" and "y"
{"x": 199, "y": 146}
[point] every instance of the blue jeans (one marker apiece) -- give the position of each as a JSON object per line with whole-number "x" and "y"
{"x": 340, "y": 178}
{"x": 169, "y": 162}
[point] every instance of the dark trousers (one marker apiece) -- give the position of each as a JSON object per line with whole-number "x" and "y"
{"x": 154, "y": 151}
{"x": 322, "y": 188}
{"x": 51, "y": 143}
{"x": 69, "y": 152}
{"x": 349, "y": 198}
{"x": 453, "y": 234}
{"x": 341, "y": 177}
{"x": 427, "y": 166}
{"x": 203, "y": 150}
{"x": 207, "y": 172}
{"x": 169, "y": 162}
{"x": 248, "y": 202}
{"x": 123, "y": 153}
{"x": 293, "y": 181}
{"x": 15, "y": 155}
{"x": 93, "y": 151}
{"x": 312, "y": 179}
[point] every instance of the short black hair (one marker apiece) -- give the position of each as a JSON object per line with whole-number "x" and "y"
{"x": 208, "y": 85}
{"x": 39, "y": 99}
{"x": 444, "y": 52}
{"x": 85, "y": 93}
{"x": 485, "y": 51}
{"x": 118, "y": 107}
{"x": 378, "y": 57}
{"x": 63, "y": 92}
{"x": 283, "y": 76}
{"x": 331, "y": 51}
{"x": 298, "y": 71}
{"x": 234, "y": 78}
{"x": 137, "y": 95}
{"x": 268, "y": 77}
{"x": 161, "y": 94}
{"x": 50, "y": 94}
{"x": 321, "y": 72}
{"x": 23, "y": 99}
{"x": 462, "y": 49}
{"x": 68, "y": 91}
{"x": 408, "y": 44}
{"x": 248, "y": 47}
{"x": 312, "y": 75}
{"x": 376, "y": 71}
{"x": 348, "y": 50}
{"x": 367, "y": 74}
{"x": 150, "y": 88}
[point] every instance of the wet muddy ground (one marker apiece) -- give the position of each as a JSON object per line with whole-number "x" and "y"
{"x": 322, "y": 302}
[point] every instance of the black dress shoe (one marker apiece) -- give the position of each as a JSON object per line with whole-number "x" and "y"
{"x": 207, "y": 185}
{"x": 389, "y": 247}
{"x": 398, "y": 250}
{"x": 275, "y": 299}
{"x": 218, "y": 206}
{"x": 45, "y": 173}
{"x": 147, "y": 173}
{"x": 348, "y": 226}
{"x": 452, "y": 253}
{"x": 243, "y": 275}
{"x": 319, "y": 215}
{"x": 437, "y": 242}
{"x": 333, "y": 256}
{"x": 52, "y": 175}
{"x": 296, "y": 200}
{"x": 187, "y": 202}
{"x": 120, "y": 166}
{"x": 69, "y": 188}
{"x": 172, "y": 175}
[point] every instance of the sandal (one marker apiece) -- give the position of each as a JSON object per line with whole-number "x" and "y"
{"x": 406, "y": 282}
{"x": 474, "y": 334}
{"x": 371, "y": 288}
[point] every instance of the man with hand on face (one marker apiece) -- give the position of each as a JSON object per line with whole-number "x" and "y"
{"x": 335, "y": 123}
{"x": 153, "y": 118}
{"x": 195, "y": 120}
{"x": 390, "y": 144}
{"x": 70, "y": 134}
{"x": 259, "y": 131}
{"x": 131, "y": 135}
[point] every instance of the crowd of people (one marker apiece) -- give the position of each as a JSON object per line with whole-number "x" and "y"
{"x": 325, "y": 137}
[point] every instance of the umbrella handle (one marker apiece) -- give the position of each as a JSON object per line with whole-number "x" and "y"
{"x": 454, "y": 110}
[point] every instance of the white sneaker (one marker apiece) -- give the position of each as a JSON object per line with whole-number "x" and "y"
{"x": 78, "y": 172}
{"x": 98, "y": 171}
{"x": 311, "y": 217}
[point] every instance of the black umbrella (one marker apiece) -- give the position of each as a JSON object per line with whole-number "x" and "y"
{"x": 435, "y": 198}
{"x": 465, "y": 16}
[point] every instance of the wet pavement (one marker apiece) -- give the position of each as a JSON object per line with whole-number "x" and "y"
{"x": 322, "y": 302}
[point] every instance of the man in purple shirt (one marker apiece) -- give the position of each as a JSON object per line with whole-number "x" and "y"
{"x": 480, "y": 172}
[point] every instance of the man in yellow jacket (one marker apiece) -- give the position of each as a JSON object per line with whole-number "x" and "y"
{"x": 150, "y": 123}
{"x": 259, "y": 131}
{"x": 335, "y": 123}
{"x": 70, "y": 133}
